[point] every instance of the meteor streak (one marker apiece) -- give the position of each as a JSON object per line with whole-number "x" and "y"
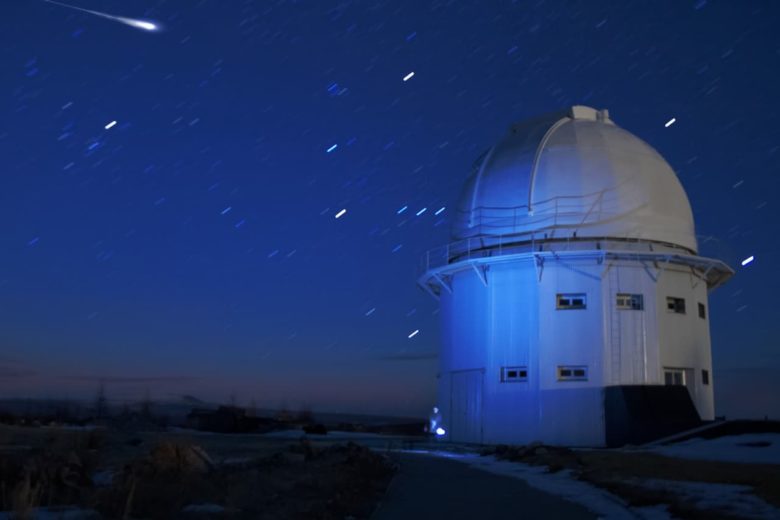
{"x": 132, "y": 22}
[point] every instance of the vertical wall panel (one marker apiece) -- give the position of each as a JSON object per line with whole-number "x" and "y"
{"x": 466, "y": 406}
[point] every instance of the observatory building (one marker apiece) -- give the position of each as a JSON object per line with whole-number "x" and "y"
{"x": 573, "y": 299}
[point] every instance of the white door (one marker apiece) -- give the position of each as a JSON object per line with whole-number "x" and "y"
{"x": 466, "y": 406}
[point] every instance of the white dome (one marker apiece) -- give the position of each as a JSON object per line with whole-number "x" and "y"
{"x": 574, "y": 172}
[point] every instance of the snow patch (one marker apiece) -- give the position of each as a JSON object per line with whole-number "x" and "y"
{"x": 755, "y": 448}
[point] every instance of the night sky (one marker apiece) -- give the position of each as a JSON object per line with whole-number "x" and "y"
{"x": 193, "y": 247}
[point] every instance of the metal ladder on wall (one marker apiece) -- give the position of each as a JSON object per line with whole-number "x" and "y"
{"x": 614, "y": 327}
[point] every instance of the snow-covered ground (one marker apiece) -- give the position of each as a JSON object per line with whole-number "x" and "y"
{"x": 756, "y": 448}
{"x": 728, "y": 498}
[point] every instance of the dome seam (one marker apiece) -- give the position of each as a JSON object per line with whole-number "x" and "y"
{"x": 539, "y": 149}
{"x": 477, "y": 182}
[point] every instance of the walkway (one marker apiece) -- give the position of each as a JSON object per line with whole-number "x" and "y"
{"x": 431, "y": 487}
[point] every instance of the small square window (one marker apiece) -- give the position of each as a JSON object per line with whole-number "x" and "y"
{"x": 675, "y": 305}
{"x": 571, "y": 301}
{"x": 674, "y": 376}
{"x": 572, "y": 373}
{"x": 633, "y": 302}
{"x": 702, "y": 311}
{"x": 705, "y": 377}
{"x": 514, "y": 374}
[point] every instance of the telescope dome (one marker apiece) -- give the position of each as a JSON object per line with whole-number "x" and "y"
{"x": 574, "y": 173}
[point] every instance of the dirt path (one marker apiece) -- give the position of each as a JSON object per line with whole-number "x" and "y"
{"x": 431, "y": 487}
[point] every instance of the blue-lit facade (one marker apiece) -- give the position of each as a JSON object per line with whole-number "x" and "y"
{"x": 573, "y": 269}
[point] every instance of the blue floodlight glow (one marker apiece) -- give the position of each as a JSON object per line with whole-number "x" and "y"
{"x": 747, "y": 260}
{"x": 440, "y": 431}
{"x": 332, "y": 148}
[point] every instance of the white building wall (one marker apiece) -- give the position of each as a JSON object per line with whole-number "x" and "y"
{"x": 631, "y": 339}
{"x": 512, "y": 321}
{"x": 511, "y": 411}
{"x": 571, "y": 411}
{"x": 489, "y": 327}
{"x": 684, "y": 340}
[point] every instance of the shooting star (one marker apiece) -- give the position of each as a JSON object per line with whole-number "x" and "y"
{"x": 132, "y": 22}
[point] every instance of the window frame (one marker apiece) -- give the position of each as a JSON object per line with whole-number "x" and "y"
{"x": 677, "y": 309}
{"x": 702, "y": 311}
{"x": 571, "y": 369}
{"x": 569, "y": 297}
{"x": 521, "y": 377}
{"x": 672, "y": 371}
{"x": 636, "y": 301}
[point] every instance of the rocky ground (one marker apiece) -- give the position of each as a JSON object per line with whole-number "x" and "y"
{"x": 110, "y": 474}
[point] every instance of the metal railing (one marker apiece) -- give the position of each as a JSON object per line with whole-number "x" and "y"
{"x": 516, "y": 243}
{"x": 570, "y": 210}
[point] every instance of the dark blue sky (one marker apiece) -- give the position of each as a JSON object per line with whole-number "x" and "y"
{"x": 119, "y": 257}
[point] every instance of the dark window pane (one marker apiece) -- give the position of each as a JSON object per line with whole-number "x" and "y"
{"x": 675, "y": 304}
{"x": 579, "y": 373}
{"x": 511, "y": 373}
{"x": 523, "y": 373}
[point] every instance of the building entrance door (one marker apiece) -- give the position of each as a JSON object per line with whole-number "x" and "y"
{"x": 466, "y": 406}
